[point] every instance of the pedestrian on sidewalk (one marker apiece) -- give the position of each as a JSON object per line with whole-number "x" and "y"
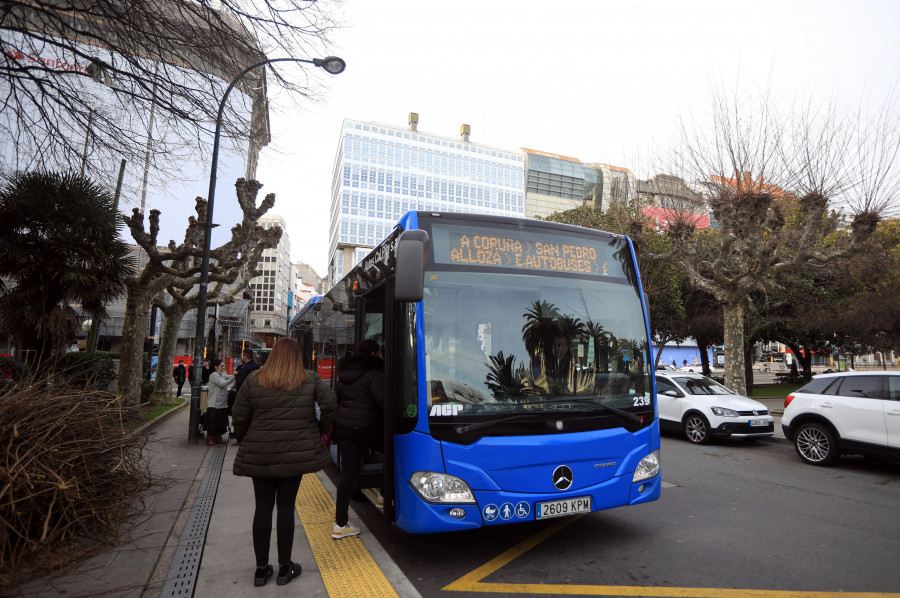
{"x": 206, "y": 372}
{"x": 179, "y": 374}
{"x": 216, "y": 418}
{"x": 280, "y": 439}
{"x": 247, "y": 367}
{"x": 360, "y": 424}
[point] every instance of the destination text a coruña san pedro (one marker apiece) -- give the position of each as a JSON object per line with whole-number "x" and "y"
{"x": 481, "y": 249}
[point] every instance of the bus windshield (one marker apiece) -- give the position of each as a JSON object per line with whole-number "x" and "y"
{"x": 504, "y": 343}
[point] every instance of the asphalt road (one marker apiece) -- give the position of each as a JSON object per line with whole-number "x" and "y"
{"x": 733, "y": 516}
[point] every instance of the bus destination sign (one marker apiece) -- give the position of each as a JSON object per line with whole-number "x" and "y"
{"x": 509, "y": 252}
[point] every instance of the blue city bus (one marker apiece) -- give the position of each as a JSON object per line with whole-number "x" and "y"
{"x": 518, "y": 372}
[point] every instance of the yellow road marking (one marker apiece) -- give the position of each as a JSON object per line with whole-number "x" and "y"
{"x": 471, "y": 582}
{"x": 347, "y": 567}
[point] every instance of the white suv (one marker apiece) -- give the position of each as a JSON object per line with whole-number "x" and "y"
{"x": 702, "y": 408}
{"x": 846, "y": 412}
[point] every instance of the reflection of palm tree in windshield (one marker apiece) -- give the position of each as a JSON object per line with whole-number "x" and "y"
{"x": 548, "y": 336}
{"x": 540, "y": 327}
{"x": 623, "y": 256}
{"x": 506, "y": 380}
{"x": 601, "y": 343}
{"x": 561, "y": 367}
{"x": 463, "y": 393}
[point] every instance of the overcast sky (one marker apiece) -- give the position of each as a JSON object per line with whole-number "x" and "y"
{"x": 601, "y": 81}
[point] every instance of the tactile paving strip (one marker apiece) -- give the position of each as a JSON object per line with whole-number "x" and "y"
{"x": 182, "y": 577}
{"x": 347, "y": 567}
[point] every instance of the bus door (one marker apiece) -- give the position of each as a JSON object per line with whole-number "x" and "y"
{"x": 371, "y": 323}
{"x": 392, "y": 325}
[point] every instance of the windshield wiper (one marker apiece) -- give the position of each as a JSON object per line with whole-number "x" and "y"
{"x": 616, "y": 410}
{"x": 489, "y": 423}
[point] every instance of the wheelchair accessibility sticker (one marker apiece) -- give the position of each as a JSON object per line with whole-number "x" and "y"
{"x": 522, "y": 510}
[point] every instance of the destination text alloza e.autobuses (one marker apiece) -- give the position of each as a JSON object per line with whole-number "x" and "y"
{"x": 493, "y": 250}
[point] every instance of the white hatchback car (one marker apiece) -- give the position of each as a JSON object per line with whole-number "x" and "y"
{"x": 845, "y": 412}
{"x": 702, "y": 408}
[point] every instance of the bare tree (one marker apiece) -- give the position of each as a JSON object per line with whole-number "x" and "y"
{"x": 165, "y": 59}
{"x": 750, "y": 161}
{"x": 182, "y": 300}
{"x": 179, "y": 267}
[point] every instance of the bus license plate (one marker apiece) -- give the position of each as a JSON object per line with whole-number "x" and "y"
{"x": 560, "y": 508}
{"x": 758, "y": 423}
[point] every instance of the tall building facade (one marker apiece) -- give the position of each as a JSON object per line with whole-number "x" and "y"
{"x": 382, "y": 171}
{"x": 555, "y": 183}
{"x": 268, "y": 319}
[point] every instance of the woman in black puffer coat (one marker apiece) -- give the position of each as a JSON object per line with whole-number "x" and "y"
{"x": 280, "y": 440}
{"x": 360, "y": 423}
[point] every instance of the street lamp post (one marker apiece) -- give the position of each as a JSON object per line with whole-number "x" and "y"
{"x": 332, "y": 65}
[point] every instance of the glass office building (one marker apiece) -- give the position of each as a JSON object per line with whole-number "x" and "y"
{"x": 556, "y": 183}
{"x": 382, "y": 171}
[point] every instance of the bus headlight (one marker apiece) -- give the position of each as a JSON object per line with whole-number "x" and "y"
{"x": 441, "y": 488}
{"x": 647, "y": 468}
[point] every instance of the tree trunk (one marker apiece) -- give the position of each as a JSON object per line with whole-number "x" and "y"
{"x": 734, "y": 347}
{"x": 805, "y": 361}
{"x": 702, "y": 344}
{"x": 168, "y": 338}
{"x": 748, "y": 366}
{"x": 659, "y": 350}
{"x": 704, "y": 359}
{"x": 134, "y": 332}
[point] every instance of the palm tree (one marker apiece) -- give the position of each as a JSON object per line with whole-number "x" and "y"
{"x": 61, "y": 249}
{"x": 601, "y": 345}
{"x": 506, "y": 380}
{"x": 540, "y": 328}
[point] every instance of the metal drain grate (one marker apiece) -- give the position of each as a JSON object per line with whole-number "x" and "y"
{"x": 182, "y": 577}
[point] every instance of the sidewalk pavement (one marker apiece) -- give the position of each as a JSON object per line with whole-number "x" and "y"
{"x": 140, "y": 563}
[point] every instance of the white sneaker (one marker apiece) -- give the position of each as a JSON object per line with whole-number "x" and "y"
{"x": 338, "y": 532}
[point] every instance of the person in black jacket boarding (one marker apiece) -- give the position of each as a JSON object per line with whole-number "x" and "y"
{"x": 360, "y": 423}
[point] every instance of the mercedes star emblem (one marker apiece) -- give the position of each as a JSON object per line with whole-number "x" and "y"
{"x": 562, "y": 477}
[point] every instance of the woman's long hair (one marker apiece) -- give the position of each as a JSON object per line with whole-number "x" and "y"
{"x": 284, "y": 368}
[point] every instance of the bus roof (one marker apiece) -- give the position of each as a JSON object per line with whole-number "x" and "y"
{"x": 306, "y": 307}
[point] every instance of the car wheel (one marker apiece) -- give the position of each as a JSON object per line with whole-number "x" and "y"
{"x": 816, "y": 444}
{"x": 696, "y": 428}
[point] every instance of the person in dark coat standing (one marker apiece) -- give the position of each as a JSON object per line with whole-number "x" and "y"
{"x": 274, "y": 417}
{"x": 360, "y": 423}
{"x": 179, "y": 374}
{"x": 247, "y": 367}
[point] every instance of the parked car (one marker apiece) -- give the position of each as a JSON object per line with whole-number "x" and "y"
{"x": 845, "y": 412}
{"x": 701, "y": 408}
{"x": 668, "y": 367}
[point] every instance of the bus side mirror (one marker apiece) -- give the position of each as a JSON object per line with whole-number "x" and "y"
{"x": 409, "y": 283}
